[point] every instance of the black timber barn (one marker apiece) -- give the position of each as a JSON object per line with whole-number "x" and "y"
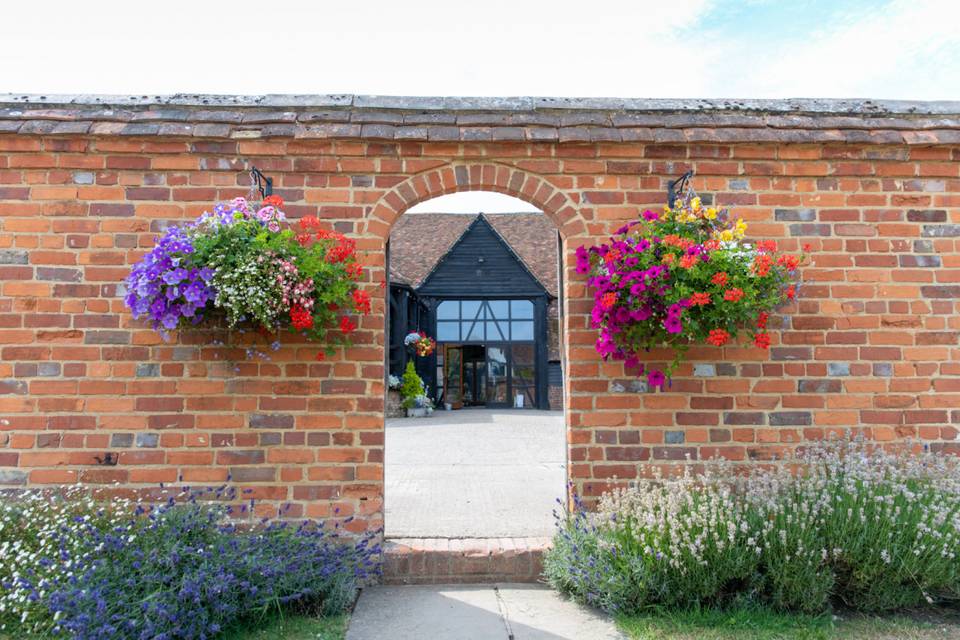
{"x": 485, "y": 288}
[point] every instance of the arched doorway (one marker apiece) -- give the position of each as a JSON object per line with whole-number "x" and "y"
{"x": 479, "y": 274}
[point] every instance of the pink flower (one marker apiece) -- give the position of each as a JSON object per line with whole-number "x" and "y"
{"x": 656, "y": 378}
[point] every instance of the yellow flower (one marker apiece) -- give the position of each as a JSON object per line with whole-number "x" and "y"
{"x": 726, "y": 235}
{"x": 711, "y": 214}
{"x": 740, "y": 229}
{"x": 695, "y": 203}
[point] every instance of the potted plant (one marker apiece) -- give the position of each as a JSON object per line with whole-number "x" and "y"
{"x": 421, "y": 344}
{"x": 247, "y": 266}
{"x": 683, "y": 276}
{"x": 413, "y": 394}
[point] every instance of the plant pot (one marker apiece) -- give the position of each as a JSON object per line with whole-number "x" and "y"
{"x": 417, "y": 412}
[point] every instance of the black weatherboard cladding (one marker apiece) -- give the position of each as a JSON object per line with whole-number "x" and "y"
{"x": 480, "y": 263}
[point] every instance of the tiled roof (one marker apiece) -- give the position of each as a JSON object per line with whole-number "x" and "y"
{"x": 419, "y": 240}
{"x": 484, "y": 119}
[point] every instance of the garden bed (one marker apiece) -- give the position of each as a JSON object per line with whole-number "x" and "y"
{"x": 844, "y": 526}
{"x": 199, "y": 565}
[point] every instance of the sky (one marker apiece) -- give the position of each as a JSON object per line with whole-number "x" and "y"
{"x": 881, "y": 49}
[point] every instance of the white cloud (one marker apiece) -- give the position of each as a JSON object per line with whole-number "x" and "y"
{"x": 905, "y": 49}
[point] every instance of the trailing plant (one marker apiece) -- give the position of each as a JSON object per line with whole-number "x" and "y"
{"x": 247, "y": 266}
{"x": 679, "y": 277}
{"x": 844, "y": 523}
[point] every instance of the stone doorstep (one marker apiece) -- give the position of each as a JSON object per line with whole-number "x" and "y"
{"x": 463, "y": 560}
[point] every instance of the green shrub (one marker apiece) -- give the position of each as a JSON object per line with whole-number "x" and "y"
{"x": 411, "y": 387}
{"x": 845, "y": 523}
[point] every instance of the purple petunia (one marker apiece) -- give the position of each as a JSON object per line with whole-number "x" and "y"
{"x": 163, "y": 289}
{"x": 656, "y": 378}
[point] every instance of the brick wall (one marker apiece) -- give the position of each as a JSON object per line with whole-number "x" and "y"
{"x": 871, "y": 344}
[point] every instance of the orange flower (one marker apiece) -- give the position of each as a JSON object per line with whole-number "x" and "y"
{"x": 672, "y": 240}
{"x": 720, "y": 279}
{"x": 668, "y": 258}
{"x": 609, "y": 299}
{"x": 700, "y": 299}
{"x": 733, "y": 295}
{"x": 718, "y": 337}
{"x": 767, "y": 246}
{"x": 688, "y": 262}
{"x": 612, "y": 255}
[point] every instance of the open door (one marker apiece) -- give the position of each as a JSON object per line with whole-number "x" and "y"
{"x": 453, "y": 375}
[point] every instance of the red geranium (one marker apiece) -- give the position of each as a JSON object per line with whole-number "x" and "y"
{"x": 762, "y": 340}
{"x": 346, "y": 325}
{"x": 718, "y": 337}
{"x": 733, "y": 295}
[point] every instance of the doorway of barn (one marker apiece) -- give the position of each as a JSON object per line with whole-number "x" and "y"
{"x": 474, "y": 314}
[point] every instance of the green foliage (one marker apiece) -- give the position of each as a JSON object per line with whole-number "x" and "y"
{"x": 854, "y": 526}
{"x": 411, "y": 387}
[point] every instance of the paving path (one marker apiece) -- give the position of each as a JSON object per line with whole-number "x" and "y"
{"x": 474, "y": 612}
{"x": 474, "y": 474}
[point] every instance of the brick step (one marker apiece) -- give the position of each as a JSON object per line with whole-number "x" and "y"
{"x": 463, "y": 560}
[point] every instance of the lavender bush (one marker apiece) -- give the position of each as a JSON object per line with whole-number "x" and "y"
{"x": 846, "y": 523}
{"x": 187, "y": 570}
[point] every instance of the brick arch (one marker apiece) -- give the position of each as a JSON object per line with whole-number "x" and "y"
{"x": 457, "y": 177}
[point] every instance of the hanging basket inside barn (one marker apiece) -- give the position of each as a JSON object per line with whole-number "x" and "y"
{"x": 681, "y": 277}
{"x": 247, "y": 266}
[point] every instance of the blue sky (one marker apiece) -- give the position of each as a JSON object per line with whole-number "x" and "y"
{"x": 895, "y": 49}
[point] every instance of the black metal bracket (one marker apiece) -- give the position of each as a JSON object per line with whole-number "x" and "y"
{"x": 264, "y": 184}
{"x": 677, "y": 186}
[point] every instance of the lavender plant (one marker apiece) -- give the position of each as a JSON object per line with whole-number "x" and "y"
{"x": 187, "y": 569}
{"x": 845, "y": 523}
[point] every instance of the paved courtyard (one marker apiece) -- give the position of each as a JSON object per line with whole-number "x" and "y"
{"x": 474, "y": 473}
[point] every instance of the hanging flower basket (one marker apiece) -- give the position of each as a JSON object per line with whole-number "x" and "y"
{"x": 683, "y": 277}
{"x": 422, "y": 344}
{"x": 244, "y": 265}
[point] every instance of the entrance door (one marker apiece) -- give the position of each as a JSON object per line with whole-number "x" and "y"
{"x": 474, "y": 375}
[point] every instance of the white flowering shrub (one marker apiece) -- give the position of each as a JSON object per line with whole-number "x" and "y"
{"x": 844, "y": 522}
{"x": 35, "y": 528}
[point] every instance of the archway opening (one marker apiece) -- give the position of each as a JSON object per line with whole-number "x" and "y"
{"x": 483, "y": 454}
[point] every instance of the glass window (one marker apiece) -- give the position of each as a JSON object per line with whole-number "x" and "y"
{"x": 494, "y": 334}
{"x": 500, "y": 309}
{"x": 522, "y": 330}
{"x": 493, "y": 320}
{"x": 470, "y": 309}
{"x": 475, "y": 329}
{"x": 521, "y": 309}
{"x": 448, "y": 331}
{"x": 449, "y": 310}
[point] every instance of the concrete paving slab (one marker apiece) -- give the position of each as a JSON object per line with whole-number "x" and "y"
{"x": 474, "y": 473}
{"x": 475, "y": 612}
{"x": 539, "y": 613}
{"x": 434, "y": 612}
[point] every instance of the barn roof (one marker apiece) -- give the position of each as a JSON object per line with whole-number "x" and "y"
{"x": 419, "y": 240}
